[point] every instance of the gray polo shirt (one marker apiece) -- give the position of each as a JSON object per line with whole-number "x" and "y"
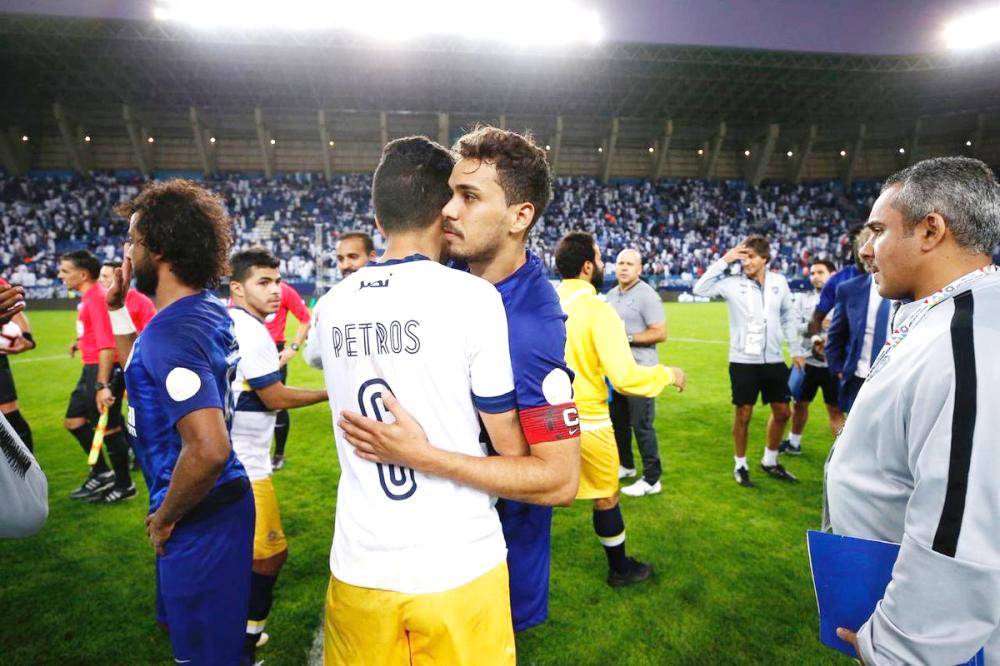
{"x": 640, "y": 307}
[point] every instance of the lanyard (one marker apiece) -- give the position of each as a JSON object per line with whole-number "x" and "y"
{"x": 931, "y": 302}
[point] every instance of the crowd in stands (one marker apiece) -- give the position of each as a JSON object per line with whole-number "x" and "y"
{"x": 679, "y": 226}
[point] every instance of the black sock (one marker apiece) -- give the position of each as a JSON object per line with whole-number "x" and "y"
{"x": 21, "y": 427}
{"x": 282, "y": 424}
{"x": 610, "y": 528}
{"x": 117, "y": 447}
{"x": 85, "y": 435}
{"x": 261, "y": 598}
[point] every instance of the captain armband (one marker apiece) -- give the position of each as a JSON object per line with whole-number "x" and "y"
{"x": 550, "y": 423}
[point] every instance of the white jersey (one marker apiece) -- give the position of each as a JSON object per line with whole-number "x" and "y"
{"x": 437, "y": 339}
{"x": 803, "y": 307}
{"x": 918, "y": 464}
{"x": 253, "y": 422}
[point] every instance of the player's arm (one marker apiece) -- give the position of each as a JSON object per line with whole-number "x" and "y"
{"x": 205, "y": 449}
{"x": 827, "y": 299}
{"x": 122, "y": 325}
{"x": 11, "y": 300}
{"x": 301, "y": 313}
{"x": 27, "y": 341}
{"x": 548, "y": 476}
{"x": 277, "y": 396}
{"x": 790, "y": 329}
{"x": 712, "y": 281}
{"x": 656, "y": 324}
{"x": 616, "y": 359}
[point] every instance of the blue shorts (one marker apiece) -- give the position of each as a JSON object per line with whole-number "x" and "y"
{"x": 203, "y": 583}
{"x": 527, "y": 528}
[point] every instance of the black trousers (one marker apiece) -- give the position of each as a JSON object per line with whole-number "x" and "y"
{"x": 630, "y": 414}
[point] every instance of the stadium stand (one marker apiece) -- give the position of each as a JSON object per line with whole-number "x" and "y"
{"x": 680, "y": 226}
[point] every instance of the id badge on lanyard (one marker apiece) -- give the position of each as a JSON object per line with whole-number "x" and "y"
{"x": 756, "y": 325}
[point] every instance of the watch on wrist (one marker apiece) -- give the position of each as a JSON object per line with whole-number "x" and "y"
{"x": 102, "y": 385}
{"x": 294, "y": 346}
{"x": 631, "y": 339}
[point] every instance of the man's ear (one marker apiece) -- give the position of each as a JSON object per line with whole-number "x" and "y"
{"x": 931, "y": 231}
{"x": 236, "y": 289}
{"x": 524, "y": 213}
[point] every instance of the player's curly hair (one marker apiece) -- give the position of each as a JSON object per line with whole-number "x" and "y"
{"x": 188, "y": 226}
{"x": 522, "y": 166}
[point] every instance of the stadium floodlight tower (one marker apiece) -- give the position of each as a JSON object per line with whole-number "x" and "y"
{"x": 553, "y": 22}
{"x": 974, "y": 30}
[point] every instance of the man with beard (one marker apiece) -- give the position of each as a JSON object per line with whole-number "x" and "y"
{"x": 597, "y": 350}
{"x": 179, "y": 378}
{"x": 354, "y": 250}
{"x": 100, "y": 387}
{"x": 258, "y": 391}
{"x": 500, "y": 187}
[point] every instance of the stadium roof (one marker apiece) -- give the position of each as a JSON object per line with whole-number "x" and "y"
{"x": 84, "y": 63}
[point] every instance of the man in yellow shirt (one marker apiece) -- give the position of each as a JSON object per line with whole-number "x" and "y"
{"x": 597, "y": 347}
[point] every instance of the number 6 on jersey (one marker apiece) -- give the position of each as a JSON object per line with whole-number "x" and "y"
{"x": 398, "y": 482}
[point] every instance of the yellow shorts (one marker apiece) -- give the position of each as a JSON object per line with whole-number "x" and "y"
{"x": 468, "y": 625}
{"x": 268, "y": 535}
{"x": 598, "y": 464}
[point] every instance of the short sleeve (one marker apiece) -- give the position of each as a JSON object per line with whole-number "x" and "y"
{"x": 652, "y": 308}
{"x": 489, "y": 354}
{"x": 295, "y": 304}
{"x": 259, "y": 363}
{"x": 181, "y": 366}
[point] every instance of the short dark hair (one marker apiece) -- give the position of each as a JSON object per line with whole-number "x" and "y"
{"x": 759, "y": 244}
{"x": 113, "y": 263}
{"x": 362, "y": 236}
{"x": 522, "y": 167}
{"x": 410, "y": 187}
{"x": 573, "y": 251}
{"x": 83, "y": 260}
{"x": 188, "y": 226}
{"x": 962, "y": 190}
{"x": 830, "y": 266}
{"x": 243, "y": 262}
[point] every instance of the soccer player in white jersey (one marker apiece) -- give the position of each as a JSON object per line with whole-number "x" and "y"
{"x": 418, "y": 563}
{"x": 258, "y": 392}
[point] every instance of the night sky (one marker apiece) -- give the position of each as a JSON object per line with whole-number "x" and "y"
{"x": 843, "y": 26}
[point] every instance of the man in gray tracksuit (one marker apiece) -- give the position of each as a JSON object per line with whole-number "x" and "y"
{"x": 918, "y": 462}
{"x": 760, "y": 318}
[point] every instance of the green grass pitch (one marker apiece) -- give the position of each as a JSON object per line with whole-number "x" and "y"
{"x": 732, "y": 583}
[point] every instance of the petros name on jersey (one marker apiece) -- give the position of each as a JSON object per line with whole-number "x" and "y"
{"x": 376, "y": 338}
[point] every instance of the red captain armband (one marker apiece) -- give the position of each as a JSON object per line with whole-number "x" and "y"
{"x": 550, "y": 423}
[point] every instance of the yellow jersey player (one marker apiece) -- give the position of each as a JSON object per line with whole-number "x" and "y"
{"x": 597, "y": 347}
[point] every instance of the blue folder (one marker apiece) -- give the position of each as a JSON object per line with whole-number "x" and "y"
{"x": 795, "y": 380}
{"x": 850, "y": 576}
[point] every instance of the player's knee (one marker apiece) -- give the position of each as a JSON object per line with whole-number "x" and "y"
{"x": 743, "y": 414}
{"x": 605, "y": 503}
{"x": 781, "y": 412}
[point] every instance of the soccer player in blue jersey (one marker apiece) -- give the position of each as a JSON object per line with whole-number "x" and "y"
{"x": 178, "y": 376}
{"x": 500, "y": 186}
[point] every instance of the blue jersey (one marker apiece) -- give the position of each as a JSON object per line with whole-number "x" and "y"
{"x": 544, "y": 386}
{"x": 828, "y": 296}
{"x": 184, "y": 360}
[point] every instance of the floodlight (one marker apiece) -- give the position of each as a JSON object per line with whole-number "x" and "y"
{"x": 968, "y": 144}
{"x": 211, "y": 139}
{"x": 974, "y": 30}
{"x": 650, "y": 149}
{"x": 24, "y": 137}
{"x": 746, "y": 153}
{"x": 393, "y": 20}
{"x": 843, "y": 153}
{"x": 790, "y": 153}
{"x": 331, "y": 144}
{"x": 548, "y": 147}
{"x": 701, "y": 151}
{"x": 902, "y": 151}
{"x": 87, "y": 138}
{"x": 600, "y": 150}
{"x": 150, "y": 139}
{"x": 273, "y": 142}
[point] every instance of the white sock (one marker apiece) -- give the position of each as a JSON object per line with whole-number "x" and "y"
{"x": 770, "y": 458}
{"x": 796, "y": 440}
{"x": 741, "y": 462}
